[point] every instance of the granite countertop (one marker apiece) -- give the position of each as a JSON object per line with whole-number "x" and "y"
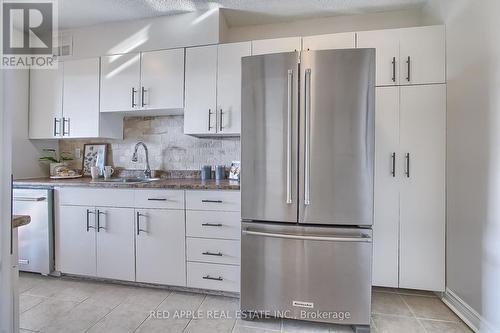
{"x": 164, "y": 183}
{"x": 20, "y": 220}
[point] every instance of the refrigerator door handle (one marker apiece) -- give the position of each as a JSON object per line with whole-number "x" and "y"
{"x": 307, "y": 108}
{"x": 289, "y": 140}
{"x": 355, "y": 239}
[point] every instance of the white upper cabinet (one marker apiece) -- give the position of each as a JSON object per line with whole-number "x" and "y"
{"x": 386, "y": 44}
{"x": 120, "y": 82}
{"x": 213, "y": 89}
{"x": 229, "y": 86}
{"x": 81, "y": 98}
{"x": 162, "y": 79}
{"x": 143, "y": 82}
{"x": 345, "y": 40}
{"x": 201, "y": 90}
{"x": 423, "y": 55}
{"x": 407, "y": 56}
{"x": 45, "y": 103}
{"x": 276, "y": 45}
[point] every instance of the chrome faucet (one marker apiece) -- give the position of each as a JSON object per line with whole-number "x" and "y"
{"x": 147, "y": 171}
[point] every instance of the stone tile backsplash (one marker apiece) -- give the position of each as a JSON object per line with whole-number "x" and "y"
{"x": 169, "y": 148}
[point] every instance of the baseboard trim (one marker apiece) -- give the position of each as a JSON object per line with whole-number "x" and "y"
{"x": 470, "y": 316}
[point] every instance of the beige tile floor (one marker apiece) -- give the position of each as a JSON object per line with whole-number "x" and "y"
{"x": 68, "y": 305}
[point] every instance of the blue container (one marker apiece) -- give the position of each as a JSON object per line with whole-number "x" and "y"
{"x": 206, "y": 172}
{"x": 220, "y": 172}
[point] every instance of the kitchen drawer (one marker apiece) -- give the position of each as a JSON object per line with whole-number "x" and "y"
{"x": 228, "y": 201}
{"x": 213, "y": 276}
{"x": 219, "y": 251}
{"x": 224, "y": 225}
{"x": 102, "y": 197}
{"x": 166, "y": 199}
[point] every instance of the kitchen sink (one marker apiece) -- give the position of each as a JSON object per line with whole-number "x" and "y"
{"x": 126, "y": 180}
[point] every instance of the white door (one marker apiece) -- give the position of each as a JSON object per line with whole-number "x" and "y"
{"x": 345, "y": 40}
{"x": 423, "y": 55}
{"x": 162, "y": 79}
{"x": 386, "y": 44}
{"x": 81, "y": 98}
{"x": 160, "y": 239}
{"x": 45, "y": 110}
{"x": 422, "y": 198}
{"x": 200, "y": 116}
{"x": 120, "y": 76}
{"x": 115, "y": 243}
{"x": 75, "y": 239}
{"x": 387, "y": 177}
{"x": 276, "y": 45}
{"x": 229, "y": 86}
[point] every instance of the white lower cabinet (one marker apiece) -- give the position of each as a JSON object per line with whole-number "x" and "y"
{"x": 92, "y": 246}
{"x": 115, "y": 243}
{"x": 143, "y": 238}
{"x": 76, "y": 240}
{"x": 213, "y": 276}
{"x": 160, "y": 246}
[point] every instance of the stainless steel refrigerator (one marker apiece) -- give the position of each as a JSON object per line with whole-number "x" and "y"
{"x": 307, "y": 185}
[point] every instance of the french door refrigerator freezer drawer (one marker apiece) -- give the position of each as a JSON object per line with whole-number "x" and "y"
{"x": 307, "y": 273}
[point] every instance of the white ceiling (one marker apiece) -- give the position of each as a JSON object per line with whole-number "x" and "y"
{"x": 77, "y": 13}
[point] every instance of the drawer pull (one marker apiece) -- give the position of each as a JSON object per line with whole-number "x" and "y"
{"x": 211, "y": 201}
{"x": 212, "y": 224}
{"x": 157, "y": 199}
{"x": 219, "y": 254}
{"x": 208, "y": 277}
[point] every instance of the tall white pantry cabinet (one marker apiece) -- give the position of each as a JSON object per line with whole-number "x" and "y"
{"x": 410, "y": 155}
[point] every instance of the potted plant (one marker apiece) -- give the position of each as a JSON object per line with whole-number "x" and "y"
{"x": 54, "y": 160}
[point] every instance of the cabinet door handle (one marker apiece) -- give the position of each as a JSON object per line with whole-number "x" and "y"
{"x": 98, "y": 214}
{"x": 134, "y": 104}
{"x": 57, "y": 127}
{"x": 212, "y": 201}
{"x": 157, "y": 199}
{"x": 207, "y": 253}
{"x": 143, "y": 92}
{"x": 393, "y": 69}
{"x": 64, "y": 132}
{"x": 407, "y": 171}
{"x": 139, "y": 223}
{"x": 208, "y": 277}
{"x": 210, "y": 120}
{"x": 220, "y": 121}
{"x": 88, "y": 220}
{"x": 408, "y": 63}
{"x": 212, "y": 225}
{"x": 393, "y": 164}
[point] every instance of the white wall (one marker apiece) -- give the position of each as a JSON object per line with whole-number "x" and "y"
{"x": 473, "y": 152}
{"x": 196, "y": 28}
{"x": 346, "y": 23}
{"x": 25, "y": 152}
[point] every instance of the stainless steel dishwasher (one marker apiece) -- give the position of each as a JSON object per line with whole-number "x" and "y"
{"x": 36, "y": 240}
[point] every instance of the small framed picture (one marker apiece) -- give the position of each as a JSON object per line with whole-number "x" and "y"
{"x": 94, "y": 155}
{"x": 234, "y": 172}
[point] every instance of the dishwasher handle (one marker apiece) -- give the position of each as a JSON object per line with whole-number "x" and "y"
{"x": 356, "y": 239}
{"x": 34, "y": 199}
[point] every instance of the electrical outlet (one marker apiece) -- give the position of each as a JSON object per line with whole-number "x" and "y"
{"x": 78, "y": 153}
